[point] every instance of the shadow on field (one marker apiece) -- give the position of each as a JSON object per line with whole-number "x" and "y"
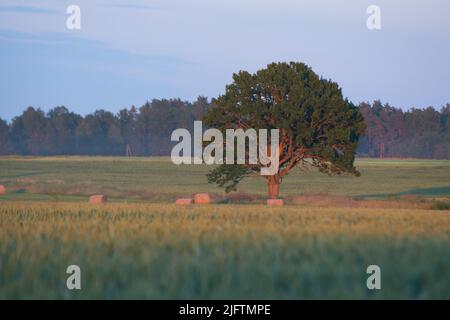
{"x": 435, "y": 191}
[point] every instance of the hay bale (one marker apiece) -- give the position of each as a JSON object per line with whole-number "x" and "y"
{"x": 202, "y": 198}
{"x": 184, "y": 201}
{"x": 2, "y": 189}
{"x": 98, "y": 199}
{"x": 275, "y": 202}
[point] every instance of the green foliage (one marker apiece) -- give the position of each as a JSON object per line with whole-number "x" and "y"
{"x": 391, "y": 132}
{"x": 146, "y": 130}
{"x": 318, "y": 127}
{"x": 162, "y": 251}
{"x": 416, "y": 133}
{"x": 4, "y": 137}
{"x": 441, "y": 205}
{"x": 228, "y": 176}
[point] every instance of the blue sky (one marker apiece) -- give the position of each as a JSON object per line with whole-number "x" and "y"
{"x": 128, "y": 52}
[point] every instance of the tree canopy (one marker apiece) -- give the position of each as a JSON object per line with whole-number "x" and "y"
{"x": 317, "y": 126}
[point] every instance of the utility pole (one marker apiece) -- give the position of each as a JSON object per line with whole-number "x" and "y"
{"x": 128, "y": 151}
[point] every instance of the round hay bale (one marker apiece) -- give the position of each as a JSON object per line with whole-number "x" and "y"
{"x": 275, "y": 202}
{"x": 202, "y": 198}
{"x": 184, "y": 201}
{"x": 98, "y": 199}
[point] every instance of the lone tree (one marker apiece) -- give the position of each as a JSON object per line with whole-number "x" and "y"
{"x": 317, "y": 126}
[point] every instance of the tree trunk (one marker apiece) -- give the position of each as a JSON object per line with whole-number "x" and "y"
{"x": 273, "y": 183}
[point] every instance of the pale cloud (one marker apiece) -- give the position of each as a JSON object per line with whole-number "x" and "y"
{"x": 26, "y": 9}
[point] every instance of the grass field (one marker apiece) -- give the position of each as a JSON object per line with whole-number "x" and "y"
{"x": 151, "y": 248}
{"x": 157, "y": 179}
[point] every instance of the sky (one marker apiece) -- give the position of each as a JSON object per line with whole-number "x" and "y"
{"x": 128, "y": 52}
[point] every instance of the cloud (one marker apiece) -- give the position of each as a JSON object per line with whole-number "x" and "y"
{"x": 50, "y": 69}
{"x": 135, "y": 6}
{"x": 24, "y": 9}
{"x": 45, "y": 38}
{"x": 87, "y": 49}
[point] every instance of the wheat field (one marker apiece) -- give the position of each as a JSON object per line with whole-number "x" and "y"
{"x": 221, "y": 251}
{"x": 144, "y": 246}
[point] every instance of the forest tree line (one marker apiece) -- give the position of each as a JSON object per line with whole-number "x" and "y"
{"x": 146, "y": 131}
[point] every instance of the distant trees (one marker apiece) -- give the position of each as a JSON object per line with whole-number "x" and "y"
{"x": 4, "y": 137}
{"x": 31, "y": 133}
{"x": 64, "y": 126}
{"x": 390, "y": 132}
{"x": 129, "y": 129}
{"x": 146, "y": 130}
{"x": 417, "y": 133}
{"x": 97, "y": 134}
